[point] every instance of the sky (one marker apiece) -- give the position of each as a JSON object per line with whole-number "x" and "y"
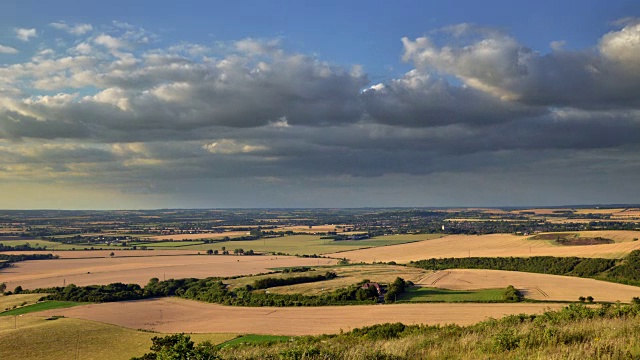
{"x": 217, "y": 104}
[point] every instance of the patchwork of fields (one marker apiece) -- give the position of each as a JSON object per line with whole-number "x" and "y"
{"x": 494, "y": 245}
{"x": 138, "y": 270}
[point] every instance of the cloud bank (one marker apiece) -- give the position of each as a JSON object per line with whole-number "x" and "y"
{"x": 112, "y": 108}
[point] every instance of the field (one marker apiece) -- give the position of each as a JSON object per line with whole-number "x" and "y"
{"x": 294, "y": 244}
{"x": 36, "y": 338}
{"x": 493, "y": 245}
{"x": 347, "y": 275}
{"x": 52, "y": 245}
{"x": 89, "y": 271}
{"x": 41, "y": 306}
{"x": 425, "y": 294}
{"x": 8, "y": 302}
{"x": 178, "y": 315}
{"x": 533, "y": 286}
{"x": 91, "y": 254}
{"x": 307, "y": 244}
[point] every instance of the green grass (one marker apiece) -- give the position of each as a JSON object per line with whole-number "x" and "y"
{"x": 255, "y": 339}
{"x": 424, "y": 294}
{"x": 45, "y": 305}
{"x": 165, "y": 244}
{"x": 51, "y": 245}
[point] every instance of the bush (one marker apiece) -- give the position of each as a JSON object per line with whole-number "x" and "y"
{"x": 512, "y": 295}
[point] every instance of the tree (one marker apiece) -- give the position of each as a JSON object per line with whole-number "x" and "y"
{"x": 179, "y": 346}
{"x": 590, "y": 298}
{"x": 209, "y": 252}
{"x": 112, "y": 254}
{"x": 3, "y": 287}
{"x": 215, "y": 252}
{"x": 17, "y": 290}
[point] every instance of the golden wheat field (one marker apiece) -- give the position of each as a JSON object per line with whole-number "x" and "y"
{"x": 493, "y": 245}
{"x": 179, "y": 315}
{"x": 534, "y": 286}
{"x": 89, "y": 271}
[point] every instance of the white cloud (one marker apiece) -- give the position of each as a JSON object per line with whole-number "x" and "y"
{"x": 230, "y": 147}
{"x": 78, "y": 29}
{"x": 109, "y": 42}
{"x": 7, "y": 50}
{"x": 26, "y": 34}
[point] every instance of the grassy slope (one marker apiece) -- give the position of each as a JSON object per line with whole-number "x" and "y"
{"x": 8, "y": 302}
{"x": 36, "y": 338}
{"x": 46, "y": 305}
{"x": 564, "y": 336}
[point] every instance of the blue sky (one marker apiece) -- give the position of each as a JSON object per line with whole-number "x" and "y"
{"x": 140, "y": 104}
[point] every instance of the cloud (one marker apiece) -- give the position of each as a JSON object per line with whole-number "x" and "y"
{"x": 477, "y": 101}
{"x": 78, "y": 29}
{"x": 25, "y": 34}
{"x": 109, "y": 42}
{"x": 495, "y": 63}
{"x": 7, "y": 50}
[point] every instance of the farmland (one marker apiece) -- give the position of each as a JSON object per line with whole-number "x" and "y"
{"x": 138, "y": 270}
{"x": 533, "y": 286}
{"x": 493, "y": 245}
{"x": 170, "y": 315}
{"x": 133, "y": 247}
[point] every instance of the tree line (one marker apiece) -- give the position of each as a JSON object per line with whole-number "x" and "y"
{"x": 625, "y": 271}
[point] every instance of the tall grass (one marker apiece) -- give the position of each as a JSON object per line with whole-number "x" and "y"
{"x": 575, "y": 332}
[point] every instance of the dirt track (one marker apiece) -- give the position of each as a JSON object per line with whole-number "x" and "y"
{"x": 171, "y": 315}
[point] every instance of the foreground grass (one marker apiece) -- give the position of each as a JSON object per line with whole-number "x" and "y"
{"x": 425, "y": 294}
{"x": 36, "y": 338}
{"x": 576, "y": 332}
{"x": 45, "y": 305}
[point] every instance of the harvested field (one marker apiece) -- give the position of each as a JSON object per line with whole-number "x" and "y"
{"x": 493, "y": 245}
{"x": 47, "y": 273}
{"x": 37, "y": 338}
{"x": 90, "y": 254}
{"x": 533, "y": 286}
{"x": 179, "y": 315}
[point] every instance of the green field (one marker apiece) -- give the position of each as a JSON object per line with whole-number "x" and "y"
{"x": 165, "y": 244}
{"x": 45, "y": 305}
{"x": 301, "y": 244}
{"x": 255, "y": 339}
{"x": 51, "y": 245}
{"x": 424, "y": 294}
{"x": 36, "y": 338}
